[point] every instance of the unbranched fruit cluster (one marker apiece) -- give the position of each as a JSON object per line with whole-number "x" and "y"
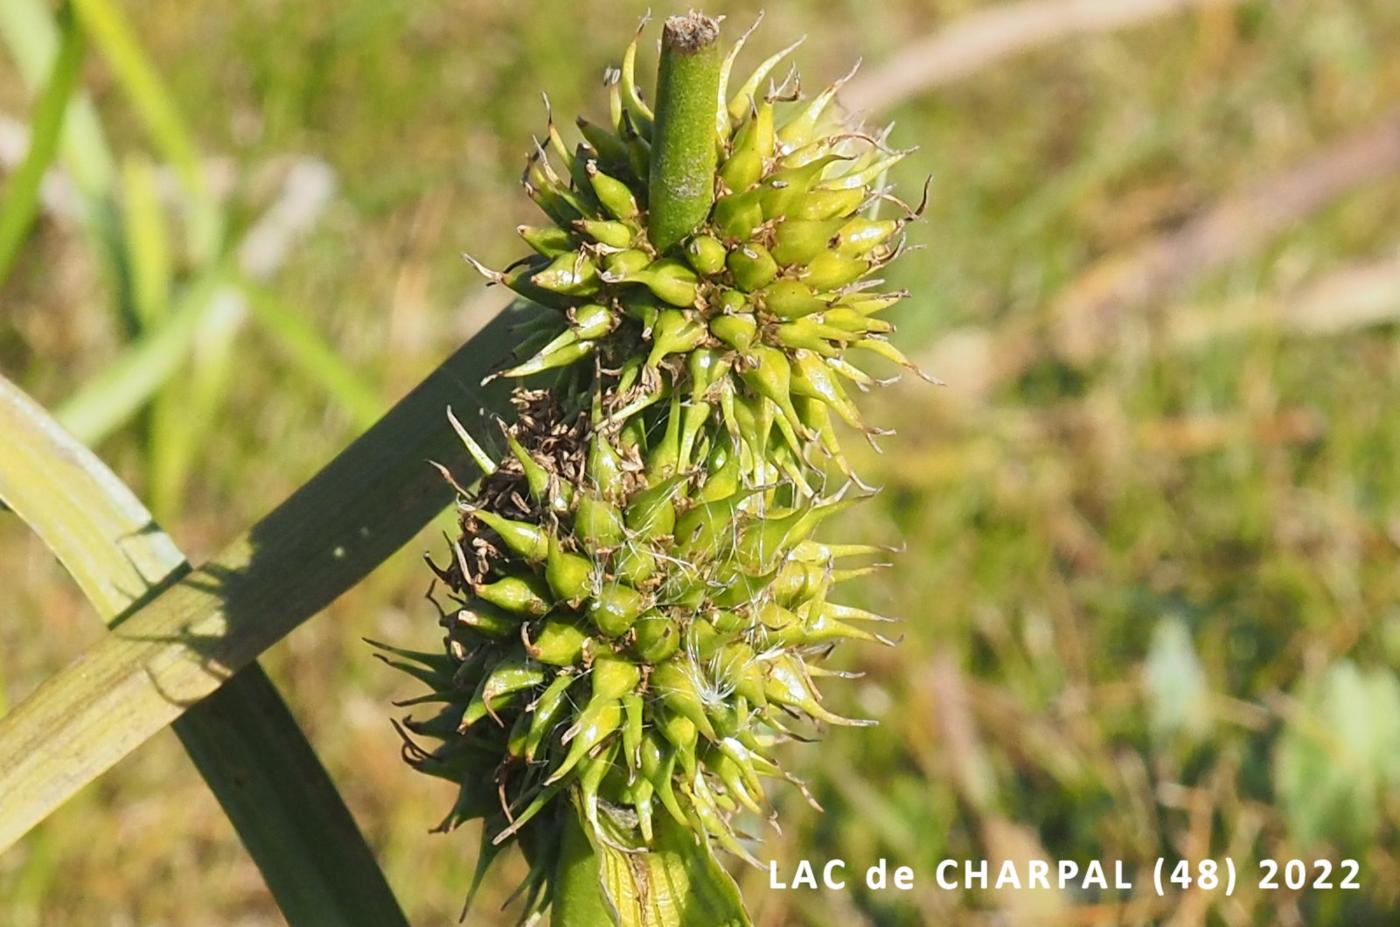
{"x": 640, "y": 606}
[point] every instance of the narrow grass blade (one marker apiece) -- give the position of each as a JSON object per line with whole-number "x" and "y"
{"x": 312, "y": 355}
{"x": 243, "y": 739}
{"x": 215, "y": 299}
{"x": 112, "y": 34}
{"x": 31, "y": 36}
{"x": 185, "y": 414}
{"x": 109, "y": 400}
{"x": 171, "y": 652}
{"x": 21, "y": 202}
{"x": 146, "y": 235}
{"x": 149, "y": 275}
{"x": 188, "y": 409}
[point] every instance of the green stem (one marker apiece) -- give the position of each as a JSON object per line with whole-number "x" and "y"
{"x": 578, "y": 887}
{"x": 681, "y": 190}
{"x": 684, "y": 149}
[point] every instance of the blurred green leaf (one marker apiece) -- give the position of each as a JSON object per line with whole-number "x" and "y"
{"x": 109, "y": 28}
{"x": 187, "y": 410}
{"x": 112, "y": 34}
{"x": 243, "y": 739}
{"x": 149, "y": 275}
{"x": 21, "y": 201}
{"x": 31, "y": 34}
{"x": 186, "y": 642}
{"x": 147, "y": 242}
{"x": 312, "y": 355}
{"x": 201, "y": 324}
{"x": 108, "y": 400}
{"x": 1340, "y": 755}
{"x": 247, "y": 745}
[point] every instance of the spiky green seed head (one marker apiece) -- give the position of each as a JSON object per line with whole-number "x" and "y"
{"x": 554, "y": 627}
{"x": 638, "y": 607}
{"x": 782, "y": 265}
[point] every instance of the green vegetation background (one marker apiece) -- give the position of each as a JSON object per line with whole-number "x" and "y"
{"x": 1151, "y": 588}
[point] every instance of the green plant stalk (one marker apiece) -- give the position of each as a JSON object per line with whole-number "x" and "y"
{"x": 684, "y": 152}
{"x": 579, "y": 899}
{"x": 682, "y": 189}
{"x": 678, "y": 883}
{"x": 243, "y": 739}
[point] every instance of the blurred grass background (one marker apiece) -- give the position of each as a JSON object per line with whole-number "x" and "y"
{"x": 1151, "y": 524}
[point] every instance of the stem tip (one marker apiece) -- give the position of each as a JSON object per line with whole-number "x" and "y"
{"x": 689, "y": 33}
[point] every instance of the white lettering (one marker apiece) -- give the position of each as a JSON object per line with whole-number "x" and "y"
{"x": 1069, "y": 869}
{"x": 1008, "y": 877}
{"x": 976, "y": 875}
{"x": 903, "y": 878}
{"x": 830, "y": 880}
{"x": 773, "y": 882}
{"x": 804, "y": 877}
{"x": 942, "y": 879}
{"x": 1038, "y": 871}
{"x": 875, "y": 876}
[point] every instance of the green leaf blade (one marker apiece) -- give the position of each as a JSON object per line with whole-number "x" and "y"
{"x": 176, "y": 649}
{"x": 244, "y": 740}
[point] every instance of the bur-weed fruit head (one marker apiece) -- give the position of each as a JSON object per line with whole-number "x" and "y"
{"x": 639, "y": 604}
